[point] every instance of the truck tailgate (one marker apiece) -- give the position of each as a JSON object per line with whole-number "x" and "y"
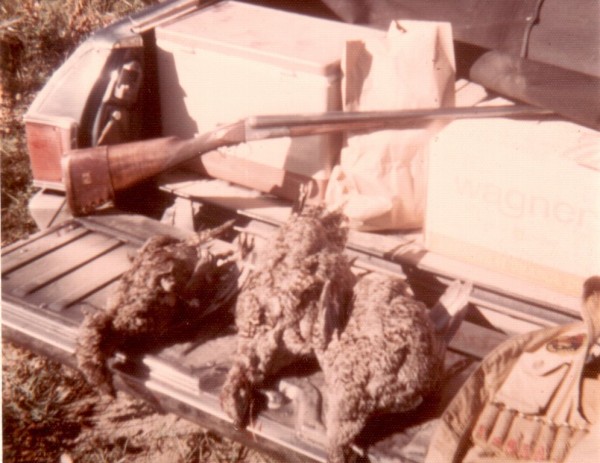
{"x": 49, "y": 280}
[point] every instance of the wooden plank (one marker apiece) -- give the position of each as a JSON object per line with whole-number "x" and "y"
{"x": 269, "y": 209}
{"x": 75, "y": 286}
{"x": 30, "y": 239}
{"x": 98, "y": 298}
{"x": 51, "y": 266}
{"x": 385, "y": 245}
{"x": 493, "y": 281}
{"x": 41, "y": 246}
{"x": 476, "y": 341}
{"x": 94, "y": 301}
{"x": 175, "y": 181}
{"x": 275, "y": 211}
{"x": 129, "y": 227}
{"x": 223, "y": 194}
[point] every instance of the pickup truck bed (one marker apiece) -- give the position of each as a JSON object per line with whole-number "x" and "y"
{"x": 49, "y": 280}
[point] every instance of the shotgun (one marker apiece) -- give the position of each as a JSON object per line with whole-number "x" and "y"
{"x": 93, "y": 175}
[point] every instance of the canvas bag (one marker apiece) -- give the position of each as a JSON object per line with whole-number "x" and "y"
{"x": 529, "y": 400}
{"x": 380, "y": 181}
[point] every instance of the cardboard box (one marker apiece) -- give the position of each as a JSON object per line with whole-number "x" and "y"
{"x": 234, "y": 60}
{"x": 521, "y": 197}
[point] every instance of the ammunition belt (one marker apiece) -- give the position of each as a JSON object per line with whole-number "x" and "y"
{"x": 511, "y": 434}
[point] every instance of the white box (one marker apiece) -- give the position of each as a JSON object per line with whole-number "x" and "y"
{"x": 234, "y": 60}
{"x": 520, "y": 197}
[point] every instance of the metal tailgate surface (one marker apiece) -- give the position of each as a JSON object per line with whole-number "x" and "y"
{"x": 51, "y": 279}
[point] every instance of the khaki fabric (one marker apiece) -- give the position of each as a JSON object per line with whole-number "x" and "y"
{"x": 517, "y": 385}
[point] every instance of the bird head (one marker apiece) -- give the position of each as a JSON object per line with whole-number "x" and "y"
{"x": 591, "y": 286}
{"x": 591, "y": 307}
{"x": 236, "y": 397}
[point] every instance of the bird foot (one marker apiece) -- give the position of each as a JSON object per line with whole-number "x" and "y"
{"x": 450, "y": 310}
{"x": 456, "y": 296}
{"x": 245, "y": 244}
{"x": 307, "y": 404}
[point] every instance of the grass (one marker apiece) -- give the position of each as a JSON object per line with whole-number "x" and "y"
{"x": 37, "y": 417}
{"x": 49, "y": 413}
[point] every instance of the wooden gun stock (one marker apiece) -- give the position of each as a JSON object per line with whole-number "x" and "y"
{"x": 93, "y": 175}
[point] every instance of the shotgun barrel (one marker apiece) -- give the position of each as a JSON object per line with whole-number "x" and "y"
{"x": 93, "y": 175}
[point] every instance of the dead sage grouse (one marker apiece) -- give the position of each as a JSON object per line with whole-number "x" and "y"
{"x": 388, "y": 358}
{"x": 278, "y": 310}
{"x": 170, "y": 285}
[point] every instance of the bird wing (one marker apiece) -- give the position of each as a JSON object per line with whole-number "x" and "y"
{"x": 334, "y": 306}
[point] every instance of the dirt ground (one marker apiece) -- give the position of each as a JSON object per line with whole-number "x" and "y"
{"x": 51, "y": 415}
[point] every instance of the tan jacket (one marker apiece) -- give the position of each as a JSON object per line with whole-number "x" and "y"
{"x": 523, "y": 403}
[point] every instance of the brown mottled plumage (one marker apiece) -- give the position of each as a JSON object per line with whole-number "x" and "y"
{"x": 278, "y": 311}
{"x": 170, "y": 284}
{"x": 387, "y": 359}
